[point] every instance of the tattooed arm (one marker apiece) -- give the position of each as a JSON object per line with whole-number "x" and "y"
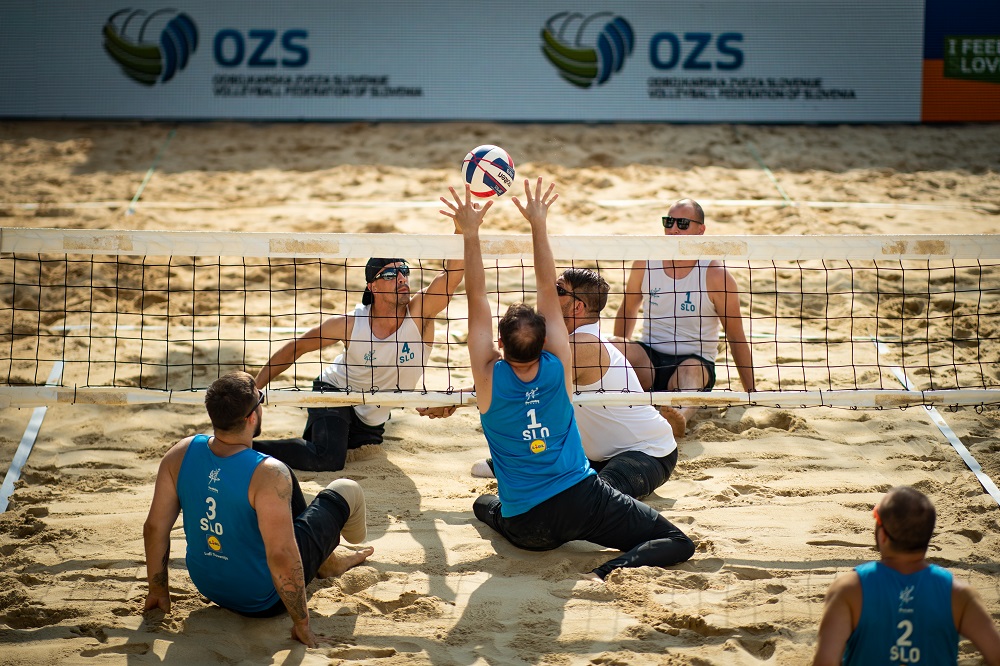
{"x": 163, "y": 512}
{"x": 270, "y": 495}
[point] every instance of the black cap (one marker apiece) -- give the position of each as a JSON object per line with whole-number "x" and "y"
{"x": 372, "y": 268}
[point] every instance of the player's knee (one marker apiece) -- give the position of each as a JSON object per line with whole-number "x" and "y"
{"x": 483, "y": 509}
{"x": 691, "y": 375}
{"x": 350, "y": 490}
{"x": 688, "y": 547}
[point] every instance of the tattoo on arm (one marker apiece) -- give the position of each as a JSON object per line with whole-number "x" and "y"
{"x": 293, "y": 593}
{"x": 160, "y": 578}
{"x": 283, "y": 483}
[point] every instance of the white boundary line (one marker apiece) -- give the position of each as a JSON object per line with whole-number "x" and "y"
{"x": 948, "y": 433}
{"x": 27, "y": 443}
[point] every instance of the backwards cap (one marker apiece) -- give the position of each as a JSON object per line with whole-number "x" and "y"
{"x": 372, "y": 268}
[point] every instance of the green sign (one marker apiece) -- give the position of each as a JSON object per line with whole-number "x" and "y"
{"x": 972, "y": 57}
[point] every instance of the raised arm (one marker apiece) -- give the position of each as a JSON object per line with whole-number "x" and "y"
{"x": 628, "y": 311}
{"x": 271, "y": 492}
{"x": 434, "y": 298}
{"x": 163, "y": 512}
{"x": 535, "y": 210}
{"x": 334, "y": 329}
{"x": 726, "y": 299}
{"x": 483, "y": 352}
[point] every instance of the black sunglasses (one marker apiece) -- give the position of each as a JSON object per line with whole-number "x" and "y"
{"x": 682, "y": 222}
{"x": 392, "y": 273}
{"x": 255, "y": 405}
{"x": 563, "y": 291}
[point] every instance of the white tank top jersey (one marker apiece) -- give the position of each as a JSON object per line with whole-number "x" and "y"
{"x": 678, "y": 316}
{"x": 394, "y": 363}
{"x": 608, "y": 430}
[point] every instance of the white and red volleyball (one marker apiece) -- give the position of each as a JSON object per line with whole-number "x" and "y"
{"x": 488, "y": 170}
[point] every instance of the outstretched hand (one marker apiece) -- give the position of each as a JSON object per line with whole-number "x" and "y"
{"x": 465, "y": 214}
{"x": 537, "y": 207}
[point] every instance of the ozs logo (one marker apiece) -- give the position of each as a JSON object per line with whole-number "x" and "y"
{"x": 150, "y": 48}
{"x": 587, "y": 50}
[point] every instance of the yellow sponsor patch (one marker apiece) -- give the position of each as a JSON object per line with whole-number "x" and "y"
{"x": 214, "y": 544}
{"x": 538, "y": 446}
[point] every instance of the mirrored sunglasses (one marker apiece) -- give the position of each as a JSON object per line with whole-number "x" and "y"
{"x": 682, "y": 222}
{"x": 393, "y": 273}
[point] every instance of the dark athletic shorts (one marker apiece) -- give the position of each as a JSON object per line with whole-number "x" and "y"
{"x": 665, "y": 365}
{"x": 317, "y": 533}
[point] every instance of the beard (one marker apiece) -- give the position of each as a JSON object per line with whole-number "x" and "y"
{"x": 256, "y": 430}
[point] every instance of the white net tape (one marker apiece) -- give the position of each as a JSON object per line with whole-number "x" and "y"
{"x": 151, "y": 316}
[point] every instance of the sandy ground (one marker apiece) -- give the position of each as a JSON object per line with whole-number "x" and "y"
{"x": 779, "y": 500}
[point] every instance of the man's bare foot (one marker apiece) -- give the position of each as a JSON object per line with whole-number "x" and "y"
{"x": 591, "y": 576}
{"x": 336, "y": 565}
{"x": 676, "y": 420}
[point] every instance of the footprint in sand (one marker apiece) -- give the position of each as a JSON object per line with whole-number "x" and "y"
{"x": 125, "y": 648}
{"x": 757, "y": 648}
{"x": 359, "y": 578}
{"x": 357, "y": 653}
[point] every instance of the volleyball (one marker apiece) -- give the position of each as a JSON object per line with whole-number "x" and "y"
{"x": 488, "y": 170}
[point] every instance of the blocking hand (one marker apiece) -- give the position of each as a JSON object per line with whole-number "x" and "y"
{"x": 465, "y": 214}
{"x": 537, "y": 207}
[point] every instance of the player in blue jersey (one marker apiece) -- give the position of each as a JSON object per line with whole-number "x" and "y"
{"x": 548, "y": 493}
{"x": 252, "y": 543}
{"x": 902, "y": 609}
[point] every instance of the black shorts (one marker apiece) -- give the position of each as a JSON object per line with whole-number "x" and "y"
{"x": 359, "y": 433}
{"x": 329, "y": 433}
{"x": 665, "y": 365}
{"x": 592, "y": 511}
{"x": 317, "y": 534}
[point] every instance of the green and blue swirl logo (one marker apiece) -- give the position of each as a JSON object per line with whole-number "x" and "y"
{"x": 125, "y": 39}
{"x": 587, "y": 50}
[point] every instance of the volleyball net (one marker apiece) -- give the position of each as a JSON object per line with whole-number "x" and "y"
{"x": 130, "y": 317}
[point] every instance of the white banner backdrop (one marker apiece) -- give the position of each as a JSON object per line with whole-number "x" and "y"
{"x": 705, "y": 61}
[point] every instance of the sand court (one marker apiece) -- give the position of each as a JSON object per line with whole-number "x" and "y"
{"x": 778, "y": 499}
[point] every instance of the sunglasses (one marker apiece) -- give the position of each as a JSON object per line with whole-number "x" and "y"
{"x": 682, "y": 222}
{"x": 392, "y": 273}
{"x": 878, "y": 521}
{"x": 563, "y": 291}
{"x": 255, "y": 405}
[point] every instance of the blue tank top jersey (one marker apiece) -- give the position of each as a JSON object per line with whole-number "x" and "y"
{"x": 532, "y": 434}
{"x": 225, "y": 551}
{"x": 905, "y": 619}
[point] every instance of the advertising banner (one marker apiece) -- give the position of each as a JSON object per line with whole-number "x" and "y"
{"x": 961, "y": 79}
{"x": 684, "y": 61}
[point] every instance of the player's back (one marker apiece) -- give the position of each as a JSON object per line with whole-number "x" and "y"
{"x": 533, "y": 437}
{"x": 905, "y": 618}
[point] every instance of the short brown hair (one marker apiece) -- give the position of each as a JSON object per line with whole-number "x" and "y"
{"x": 908, "y": 516}
{"x": 589, "y": 287}
{"x": 522, "y": 331}
{"x": 229, "y": 399}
